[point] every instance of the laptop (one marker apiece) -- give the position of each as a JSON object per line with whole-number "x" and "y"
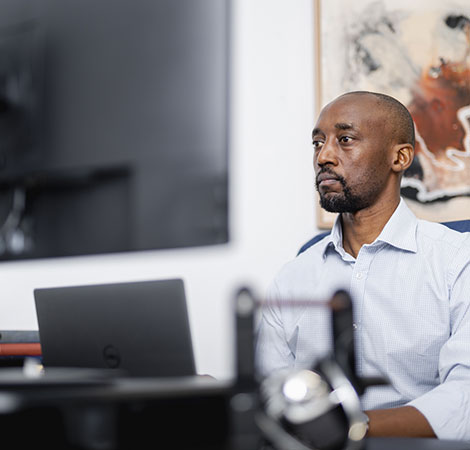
{"x": 139, "y": 328}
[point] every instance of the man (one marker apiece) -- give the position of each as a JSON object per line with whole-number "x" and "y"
{"x": 409, "y": 279}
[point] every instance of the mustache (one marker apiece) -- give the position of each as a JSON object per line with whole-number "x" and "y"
{"x": 327, "y": 170}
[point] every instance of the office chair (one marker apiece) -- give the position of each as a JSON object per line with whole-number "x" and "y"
{"x": 458, "y": 225}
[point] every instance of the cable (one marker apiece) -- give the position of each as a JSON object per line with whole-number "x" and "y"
{"x": 12, "y": 236}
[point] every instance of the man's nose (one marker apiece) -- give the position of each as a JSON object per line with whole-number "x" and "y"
{"x": 327, "y": 153}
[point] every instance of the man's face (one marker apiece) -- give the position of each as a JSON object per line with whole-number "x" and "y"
{"x": 351, "y": 140}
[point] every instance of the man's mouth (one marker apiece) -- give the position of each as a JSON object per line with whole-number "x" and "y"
{"x": 327, "y": 179}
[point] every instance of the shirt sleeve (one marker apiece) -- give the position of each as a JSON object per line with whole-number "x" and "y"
{"x": 272, "y": 352}
{"x": 447, "y": 406}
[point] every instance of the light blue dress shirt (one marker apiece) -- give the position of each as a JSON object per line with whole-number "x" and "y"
{"x": 411, "y": 297}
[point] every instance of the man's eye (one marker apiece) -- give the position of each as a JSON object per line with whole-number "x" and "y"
{"x": 317, "y": 144}
{"x": 345, "y": 139}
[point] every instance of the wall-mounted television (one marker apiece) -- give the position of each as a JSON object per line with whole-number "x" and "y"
{"x": 114, "y": 126}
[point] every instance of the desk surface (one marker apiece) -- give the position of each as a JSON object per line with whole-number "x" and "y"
{"x": 414, "y": 444}
{"x": 205, "y": 413}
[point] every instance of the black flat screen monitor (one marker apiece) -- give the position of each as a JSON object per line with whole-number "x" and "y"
{"x": 113, "y": 126}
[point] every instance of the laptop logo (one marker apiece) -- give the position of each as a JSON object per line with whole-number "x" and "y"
{"x": 111, "y": 356}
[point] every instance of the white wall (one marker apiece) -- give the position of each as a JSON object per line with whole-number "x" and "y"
{"x": 272, "y": 201}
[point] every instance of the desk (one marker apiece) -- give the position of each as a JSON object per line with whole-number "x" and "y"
{"x": 414, "y": 444}
{"x": 101, "y": 412}
{"x": 95, "y": 410}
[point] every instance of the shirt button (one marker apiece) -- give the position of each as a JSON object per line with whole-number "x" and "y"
{"x": 354, "y": 326}
{"x": 359, "y": 275}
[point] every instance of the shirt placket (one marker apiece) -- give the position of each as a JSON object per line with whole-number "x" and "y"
{"x": 357, "y": 290}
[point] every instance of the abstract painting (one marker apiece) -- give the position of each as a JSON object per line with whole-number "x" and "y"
{"x": 418, "y": 52}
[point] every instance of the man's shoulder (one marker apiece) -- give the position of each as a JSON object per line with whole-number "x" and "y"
{"x": 450, "y": 248}
{"x": 304, "y": 277}
{"x": 312, "y": 252}
{"x": 304, "y": 264}
{"x": 440, "y": 234}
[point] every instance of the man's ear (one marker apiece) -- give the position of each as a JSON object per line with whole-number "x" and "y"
{"x": 402, "y": 157}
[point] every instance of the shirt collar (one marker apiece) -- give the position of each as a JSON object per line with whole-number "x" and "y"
{"x": 334, "y": 239}
{"x": 399, "y": 231}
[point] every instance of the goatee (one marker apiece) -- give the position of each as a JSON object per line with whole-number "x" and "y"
{"x": 340, "y": 202}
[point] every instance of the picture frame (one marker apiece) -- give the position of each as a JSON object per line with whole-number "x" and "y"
{"x": 419, "y": 53}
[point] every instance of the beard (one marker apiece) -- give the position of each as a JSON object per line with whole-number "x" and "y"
{"x": 341, "y": 202}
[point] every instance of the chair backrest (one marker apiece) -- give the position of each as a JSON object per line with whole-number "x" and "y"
{"x": 458, "y": 225}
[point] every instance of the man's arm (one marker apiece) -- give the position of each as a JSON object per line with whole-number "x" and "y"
{"x": 272, "y": 352}
{"x": 444, "y": 411}
{"x": 406, "y": 421}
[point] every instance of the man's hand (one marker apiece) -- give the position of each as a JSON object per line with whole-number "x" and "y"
{"x": 399, "y": 422}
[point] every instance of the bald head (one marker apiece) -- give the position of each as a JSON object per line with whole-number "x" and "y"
{"x": 363, "y": 143}
{"x": 400, "y": 120}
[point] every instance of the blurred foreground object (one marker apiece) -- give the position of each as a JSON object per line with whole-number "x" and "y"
{"x": 319, "y": 408}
